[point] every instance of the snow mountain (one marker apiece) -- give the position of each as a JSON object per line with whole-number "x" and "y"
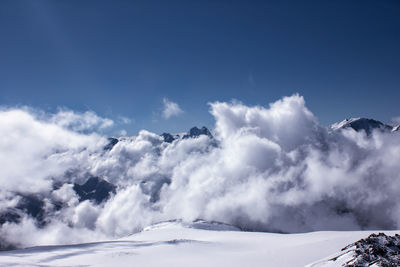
{"x": 364, "y": 124}
{"x": 193, "y": 133}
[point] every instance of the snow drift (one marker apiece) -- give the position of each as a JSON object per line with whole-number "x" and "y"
{"x": 264, "y": 169}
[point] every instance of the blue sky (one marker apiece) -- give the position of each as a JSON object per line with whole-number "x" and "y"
{"x": 123, "y": 58}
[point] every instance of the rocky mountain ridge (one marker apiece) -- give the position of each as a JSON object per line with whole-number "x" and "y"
{"x": 364, "y": 124}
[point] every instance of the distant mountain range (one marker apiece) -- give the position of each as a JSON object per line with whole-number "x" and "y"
{"x": 169, "y": 138}
{"x": 357, "y": 124}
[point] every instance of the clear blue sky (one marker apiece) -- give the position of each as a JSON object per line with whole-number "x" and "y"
{"x": 121, "y": 58}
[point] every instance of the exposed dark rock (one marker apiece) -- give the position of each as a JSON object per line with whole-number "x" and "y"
{"x": 378, "y": 249}
{"x": 195, "y": 132}
{"x": 369, "y": 125}
{"x": 10, "y": 215}
{"x": 363, "y": 124}
{"x": 111, "y": 143}
{"x": 95, "y": 189}
{"x": 169, "y": 138}
{"x": 31, "y": 205}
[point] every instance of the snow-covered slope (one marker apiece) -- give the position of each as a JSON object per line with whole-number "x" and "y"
{"x": 362, "y": 124}
{"x": 199, "y": 244}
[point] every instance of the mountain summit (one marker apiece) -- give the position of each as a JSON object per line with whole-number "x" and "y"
{"x": 196, "y": 132}
{"x": 193, "y": 133}
{"x": 363, "y": 124}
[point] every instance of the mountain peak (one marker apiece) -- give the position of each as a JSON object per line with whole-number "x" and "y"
{"x": 359, "y": 124}
{"x": 193, "y": 133}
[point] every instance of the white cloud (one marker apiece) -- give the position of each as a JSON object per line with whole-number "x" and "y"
{"x": 33, "y": 151}
{"x": 273, "y": 169}
{"x": 396, "y": 120}
{"x": 170, "y": 109}
{"x": 80, "y": 121}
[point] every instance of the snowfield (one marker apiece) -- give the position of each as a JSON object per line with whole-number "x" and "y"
{"x": 198, "y": 244}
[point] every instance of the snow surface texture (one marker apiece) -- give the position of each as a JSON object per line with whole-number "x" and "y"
{"x": 179, "y": 244}
{"x": 266, "y": 169}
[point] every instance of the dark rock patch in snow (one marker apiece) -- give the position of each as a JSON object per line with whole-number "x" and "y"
{"x": 31, "y": 205}
{"x": 95, "y": 189}
{"x": 362, "y": 124}
{"x": 196, "y": 132}
{"x": 169, "y": 138}
{"x": 111, "y": 143}
{"x": 10, "y": 215}
{"x": 193, "y": 133}
{"x": 376, "y": 249}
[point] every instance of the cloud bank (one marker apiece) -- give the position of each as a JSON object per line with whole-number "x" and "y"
{"x": 268, "y": 169}
{"x": 170, "y": 109}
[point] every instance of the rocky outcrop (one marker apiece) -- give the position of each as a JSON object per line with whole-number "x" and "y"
{"x": 196, "y": 132}
{"x": 94, "y": 189}
{"x": 111, "y": 143}
{"x": 193, "y": 133}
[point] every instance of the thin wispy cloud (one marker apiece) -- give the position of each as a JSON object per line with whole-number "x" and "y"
{"x": 81, "y": 121}
{"x": 170, "y": 109}
{"x": 124, "y": 120}
{"x": 396, "y": 120}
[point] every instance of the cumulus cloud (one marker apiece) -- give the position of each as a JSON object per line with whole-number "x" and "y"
{"x": 76, "y": 121}
{"x": 268, "y": 169}
{"x": 170, "y": 109}
{"x": 33, "y": 151}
